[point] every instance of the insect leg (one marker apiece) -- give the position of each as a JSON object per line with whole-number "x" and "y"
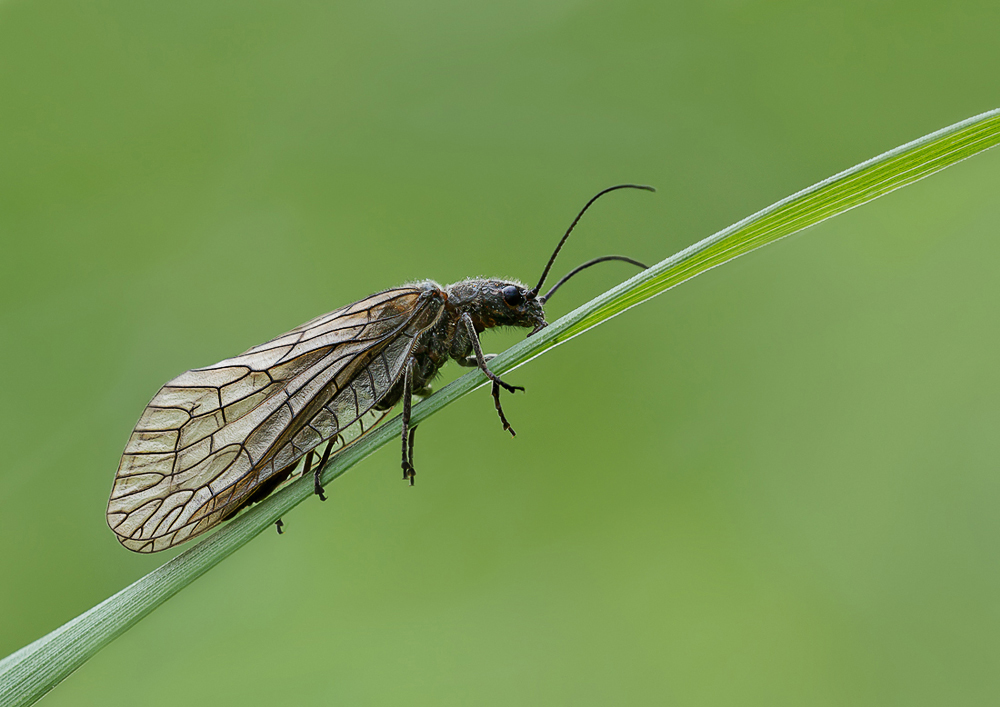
{"x": 481, "y": 363}
{"x": 503, "y": 418}
{"x": 408, "y": 471}
{"x": 278, "y": 524}
{"x": 307, "y": 465}
{"x": 317, "y": 479}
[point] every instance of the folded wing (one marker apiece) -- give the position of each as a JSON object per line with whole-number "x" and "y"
{"x": 212, "y": 435}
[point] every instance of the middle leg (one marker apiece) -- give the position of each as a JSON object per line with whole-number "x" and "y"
{"x": 408, "y": 471}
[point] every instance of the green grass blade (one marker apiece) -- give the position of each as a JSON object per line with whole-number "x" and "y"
{"x": 35, "y": 669}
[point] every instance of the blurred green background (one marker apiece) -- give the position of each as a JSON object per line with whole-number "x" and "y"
{"x": 775, "y": 485}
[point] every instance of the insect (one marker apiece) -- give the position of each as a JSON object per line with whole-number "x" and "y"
{"x": 214, "y": 440}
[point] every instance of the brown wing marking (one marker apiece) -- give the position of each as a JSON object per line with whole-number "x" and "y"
{"x": 212, "y": 435}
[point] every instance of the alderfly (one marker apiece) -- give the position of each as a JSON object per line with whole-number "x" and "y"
{"x": 215, "y": 440}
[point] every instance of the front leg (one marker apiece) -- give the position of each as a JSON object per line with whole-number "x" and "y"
{"x": 480, "y": 362}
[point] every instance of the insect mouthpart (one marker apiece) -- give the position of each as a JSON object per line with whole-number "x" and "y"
{"x": 541, "y": 325}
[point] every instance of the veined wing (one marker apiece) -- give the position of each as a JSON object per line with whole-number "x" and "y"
{"x": 212, "y": 435}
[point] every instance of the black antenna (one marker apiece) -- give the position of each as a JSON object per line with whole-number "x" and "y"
{"x": 534, "y": 292}
{"x": 545, "y": 298}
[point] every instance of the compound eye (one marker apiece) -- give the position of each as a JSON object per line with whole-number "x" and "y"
{"x": 512, "y": 295}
